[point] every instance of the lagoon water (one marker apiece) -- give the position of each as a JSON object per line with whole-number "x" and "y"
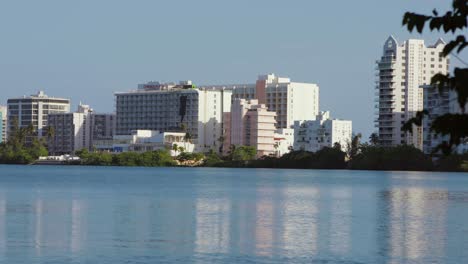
{"x": 72, "y": 214}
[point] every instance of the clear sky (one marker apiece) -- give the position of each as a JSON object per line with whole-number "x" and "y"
{"x": 86, "y": 50}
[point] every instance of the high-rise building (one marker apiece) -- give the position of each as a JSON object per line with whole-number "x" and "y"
{"x": 172, "y": 107}
{"x": 34, "y": 110}
{"x": 290, "y": 100}
{"x": 437, "y": 104}
{"x": 401, "y": 71}
{"x": 313, "y": 135}
{"x": 70, "y": 131}
{"x": 102, "y": 127}
{"x": 79, "y": 130}
{"x": 250, "y": 124}
{"x": 3, "y": 123}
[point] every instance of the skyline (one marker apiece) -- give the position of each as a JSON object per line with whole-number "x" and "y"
{"x": 86, "y": 53}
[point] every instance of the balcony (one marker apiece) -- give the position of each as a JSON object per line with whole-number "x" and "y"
{"x": 385, "y": 106}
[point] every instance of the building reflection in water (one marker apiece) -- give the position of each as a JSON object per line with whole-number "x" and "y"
{"x": 78, "y": 226}
{"x": 212, "y": 225}
{"x": 262, "y": 219}
{"x": 301, "y": 218}
{"x": 3, "y": 215}
{"x": 415, "y": 224}
{"x": 340, "y": 221}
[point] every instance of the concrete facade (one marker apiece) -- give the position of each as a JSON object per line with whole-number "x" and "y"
{"x": 313, "y": 135}
{"x": 250, "y": 124}
{"x": 34, "y": 110}
{"x": 3, "y": 123}
{"x": 290, "y": 100}
{"x": 170, "y": 107}
{"x": 284, "y": 141}
{"x": 147, "y": 140}
{"x": 71, "y": 131}
{"x": 401, "y": 71}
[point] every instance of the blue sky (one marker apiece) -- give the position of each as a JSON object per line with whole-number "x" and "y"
{"x": 86, "y": 50}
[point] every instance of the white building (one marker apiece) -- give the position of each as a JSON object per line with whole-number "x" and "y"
{"x": 402, "y": 69}
{"x": 436, "y": 104}
{"x": 147, "y": 140}
{"x": 3, "y": 123}
{"x": 290, "y": 100}
{"x": 33, "y": 110}
{"x": 313, "y": 135}
{"x": 71, "y": 131}
{"x": 174, "y": 108}
{"x": 284, "y": 141}
{"x": 79, "y": 130}
{"x": 250, "y": 124}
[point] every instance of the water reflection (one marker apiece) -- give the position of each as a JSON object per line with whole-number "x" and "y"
{"x": 384, "y": 222}
{"x": 416, "y": 223}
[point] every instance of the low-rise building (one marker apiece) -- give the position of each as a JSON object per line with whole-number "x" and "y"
{"x": 250, "y": 124}
{"x": 148, "y": 140}
{"x": 313, "y": 135}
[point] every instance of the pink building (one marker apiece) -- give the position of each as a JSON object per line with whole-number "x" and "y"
{"x": 250, "y": 124}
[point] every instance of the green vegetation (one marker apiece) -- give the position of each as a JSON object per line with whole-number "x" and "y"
{"x": 146, "y": 159}
{"x": 360, "y": 157}
{"x": 18, "y": 151}
{"x": 402, "y": 157}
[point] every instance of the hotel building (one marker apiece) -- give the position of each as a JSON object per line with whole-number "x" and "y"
{"x": 169, "y": 107}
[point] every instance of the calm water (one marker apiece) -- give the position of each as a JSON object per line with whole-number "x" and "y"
{"x": 178, "y": 215}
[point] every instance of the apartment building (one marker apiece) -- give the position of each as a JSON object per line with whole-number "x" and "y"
{"x": 313, "y": 135}
{"x": 169, "y": 107}
{"x": 250, "y": 124}
{"x": 290, "y": 100}
{"x": 284, "y": 141}
{"x": 436, "y": 103}
{"x": 401, "y": 71}
{"x": 34, "y": 110}
{"x": 102, "y": 127}
{"x": 70, "y": 131}
{"x": 3, "y": 123}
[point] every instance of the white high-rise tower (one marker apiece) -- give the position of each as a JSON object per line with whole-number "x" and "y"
{"x": 402, "y": 71}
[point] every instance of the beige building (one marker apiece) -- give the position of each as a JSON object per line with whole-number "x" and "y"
{"x": 290, "y": 100}
{"x": 250, "y": 124}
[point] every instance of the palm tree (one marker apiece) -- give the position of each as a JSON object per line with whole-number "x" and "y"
{"x": 181, "y": 149}
{"x": 175, "y": 148}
